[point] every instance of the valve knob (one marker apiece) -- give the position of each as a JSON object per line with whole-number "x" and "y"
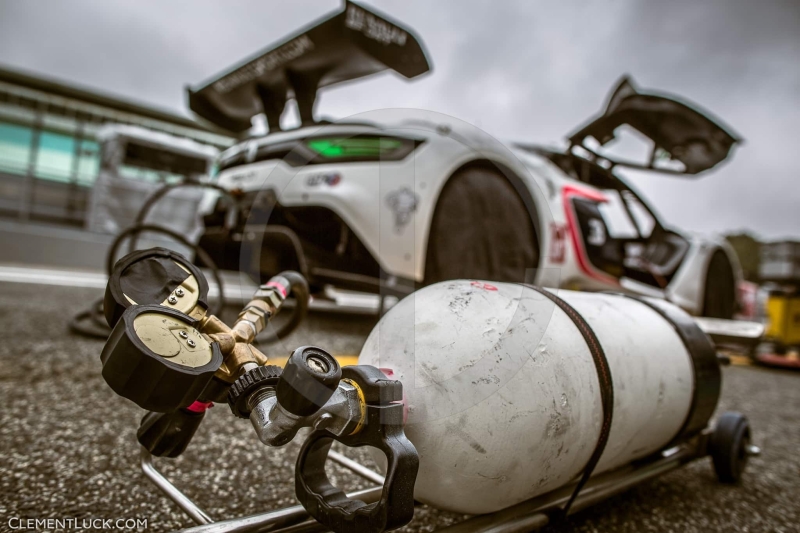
{"x": 249, "y": 383}
{"x": 154, "y": 276}
{"x": 309, "y": 379}
{"x": 156, "y": 358}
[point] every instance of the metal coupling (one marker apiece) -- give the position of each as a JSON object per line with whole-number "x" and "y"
{"x": 343, "y": 414}
{"x": 272, "y": 295}
{"x": 253, "y": 319}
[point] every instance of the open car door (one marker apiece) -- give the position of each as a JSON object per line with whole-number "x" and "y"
{"x": 679, "y": 131}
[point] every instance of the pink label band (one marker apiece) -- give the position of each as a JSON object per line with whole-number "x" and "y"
{"x": 200, "y": 407}
{"x": 277, "y": 286}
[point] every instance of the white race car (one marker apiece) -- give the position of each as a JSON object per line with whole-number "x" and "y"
{"x": 391, "y": 200}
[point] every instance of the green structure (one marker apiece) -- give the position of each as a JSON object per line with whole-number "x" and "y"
{"x": 49, "y": 155}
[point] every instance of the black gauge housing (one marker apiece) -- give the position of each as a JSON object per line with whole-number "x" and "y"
{"x": 150, "y": 380}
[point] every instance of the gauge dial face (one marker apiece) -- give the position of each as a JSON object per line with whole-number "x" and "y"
{"x": 172, "y": 339}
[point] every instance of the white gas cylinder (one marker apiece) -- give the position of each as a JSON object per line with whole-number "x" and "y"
{"x": 502, "y": 390}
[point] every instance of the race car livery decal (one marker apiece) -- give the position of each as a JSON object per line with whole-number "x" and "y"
{"x": 558, "y": 242}
{"x": 286, "y": 53}
{"x": 328, "y": 178}
{"x": 371, "y": 26}
{"x": 403, "y": 202}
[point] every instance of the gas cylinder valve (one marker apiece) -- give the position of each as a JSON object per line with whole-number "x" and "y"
{"x": 170, "y": 356}
{"x": 356, "y": 406}
{"x": 381, "y": 428}
{"x": 308, "y": 392}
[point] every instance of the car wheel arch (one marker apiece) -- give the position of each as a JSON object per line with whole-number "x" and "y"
{"x": 731, "y": 264}
{"x": 517, "y": 182}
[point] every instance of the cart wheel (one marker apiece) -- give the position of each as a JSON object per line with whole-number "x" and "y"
{"x": 730, "y": 448}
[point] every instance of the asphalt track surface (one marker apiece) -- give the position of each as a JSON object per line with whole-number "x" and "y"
{"x": 68, "y": 447}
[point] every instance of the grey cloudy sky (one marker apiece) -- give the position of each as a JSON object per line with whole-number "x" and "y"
{"x": 525, "y": 70}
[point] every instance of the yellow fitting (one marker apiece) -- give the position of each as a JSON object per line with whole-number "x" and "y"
{"x": 362, "y": 406}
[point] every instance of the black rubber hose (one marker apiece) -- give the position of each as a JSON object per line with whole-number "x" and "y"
{"x": 99, "y": 329}
{"x": 298, "y": 287}
{"x": 159, "y": 194}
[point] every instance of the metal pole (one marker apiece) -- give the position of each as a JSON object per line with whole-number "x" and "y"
{"x": 524, "y": 516}
{"x": 77, "y": 151}
{"x": 271, "y": 521}
{"x": 527, "y": 516}
{"x": 25, "y": 204}
{"x": 521, "y": 524}
{"x": 356, "y": 468}
{"x": 188, "y": 506}
{"x": 276, "y": 520}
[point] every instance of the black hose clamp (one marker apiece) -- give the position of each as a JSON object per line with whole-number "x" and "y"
{"x": 382, "y": 429}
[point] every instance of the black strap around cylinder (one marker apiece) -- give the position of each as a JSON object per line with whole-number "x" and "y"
{"x": 703, "y": 354}
{"x": 606, "y": 388}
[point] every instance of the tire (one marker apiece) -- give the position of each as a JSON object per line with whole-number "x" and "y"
{"x": 719, "y": 298}
{"x": 727, "y": 446}
{"x": 481, "y": 229}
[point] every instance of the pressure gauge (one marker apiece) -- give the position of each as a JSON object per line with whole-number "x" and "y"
{"x": 156, "y": 358}
{"x": 155, "y": 276}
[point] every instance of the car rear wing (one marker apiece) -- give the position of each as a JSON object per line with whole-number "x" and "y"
{"x": 351, "y": 44}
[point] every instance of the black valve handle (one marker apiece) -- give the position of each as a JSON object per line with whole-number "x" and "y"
{"x": 168, "y": 434}
{"x": 309, "y": 379}
{"x": 382, "y": 429}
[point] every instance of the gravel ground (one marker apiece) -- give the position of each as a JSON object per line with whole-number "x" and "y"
{"x": 68, "y": 445}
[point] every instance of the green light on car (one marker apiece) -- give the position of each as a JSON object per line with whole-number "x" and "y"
{"x": 339, "y": 147}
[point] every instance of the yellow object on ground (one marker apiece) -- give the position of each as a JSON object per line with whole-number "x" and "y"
{"x": 344, "y": 360}
{"x": 783, "y": 311}
{"x": 740, "y": 360}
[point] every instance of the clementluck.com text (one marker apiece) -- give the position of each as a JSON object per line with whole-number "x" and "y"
{"x": 77, "y": 523}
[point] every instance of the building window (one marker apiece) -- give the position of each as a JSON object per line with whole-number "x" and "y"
{"x": 149, "y": 175}
{"x": 54, "y": 157}
{"x": 88, "y": 162}
{"x": 15, "y": 148}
